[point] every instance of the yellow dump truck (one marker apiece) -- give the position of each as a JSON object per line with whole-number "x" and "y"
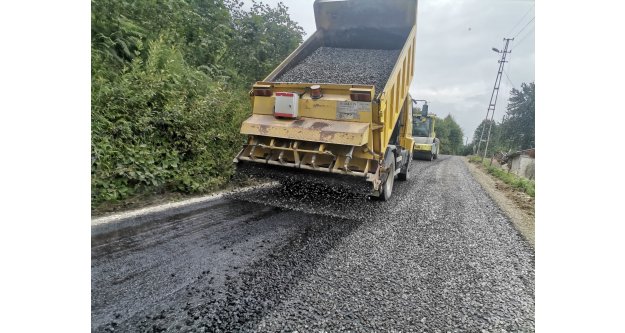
{"x": 339, "y": 106}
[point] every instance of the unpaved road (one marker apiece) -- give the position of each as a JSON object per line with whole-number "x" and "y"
{"x": 440, "y": 256}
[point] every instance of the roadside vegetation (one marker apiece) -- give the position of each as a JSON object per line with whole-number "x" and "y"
{"x": 450, "y": 133}
{"x": 519, "y": 183}
{"x": 516, "y": 131}
{"x": 169, "y": 84}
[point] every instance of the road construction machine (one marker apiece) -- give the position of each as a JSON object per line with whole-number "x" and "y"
{"x": 338, "y": 106}
{"x": 426, "y": 144}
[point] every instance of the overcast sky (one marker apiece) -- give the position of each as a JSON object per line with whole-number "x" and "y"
{"x": 455, "y": 68}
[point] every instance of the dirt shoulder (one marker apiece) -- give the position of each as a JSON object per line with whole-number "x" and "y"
{"x": 518, "y": 206}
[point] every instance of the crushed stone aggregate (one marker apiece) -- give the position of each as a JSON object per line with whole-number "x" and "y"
{"x": 344, "y": 66}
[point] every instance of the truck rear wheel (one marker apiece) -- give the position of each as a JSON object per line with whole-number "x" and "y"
{"x": 405, "y": 170}
{"x": 388, "y": 184}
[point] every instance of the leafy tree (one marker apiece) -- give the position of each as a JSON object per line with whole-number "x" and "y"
{"x": 516, "y": 131}
{"x": 493, "y": 143}
{"x": 518, "y": 126}
{"x": 468, "y": 149}
{"x": 455, "y": 135}
{"x": 478, "y": 131}
{"x": 264, "y": 37}
{"x": 442, "y": 133}
{"x": 450, "y": 134}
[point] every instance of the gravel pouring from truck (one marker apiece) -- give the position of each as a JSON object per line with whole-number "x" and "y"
{"x": 320, "y": 110}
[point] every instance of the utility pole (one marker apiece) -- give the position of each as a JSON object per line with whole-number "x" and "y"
{"x": 493, "y": 97}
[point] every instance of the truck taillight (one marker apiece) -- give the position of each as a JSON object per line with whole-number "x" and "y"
{"x": 315, "y": 92}
{"x": 361, "y": 96}
{"x": 262, "y": 92}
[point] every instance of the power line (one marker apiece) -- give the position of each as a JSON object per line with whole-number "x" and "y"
{"x": 509, "y": 80}
{"x": 521, "y": 20}
{"x": 510, "y": 64}
{"x": 522, "y": 39}
{"x": 532, "y": 20}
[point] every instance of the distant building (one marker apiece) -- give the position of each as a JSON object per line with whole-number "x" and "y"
{"x": 521, "y": 163}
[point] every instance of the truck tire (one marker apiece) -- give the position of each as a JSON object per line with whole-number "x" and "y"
{"x": 405, "y": 170}
{"x": 388, "y": 184}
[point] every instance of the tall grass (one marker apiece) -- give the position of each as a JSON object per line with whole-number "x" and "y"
{"x": 524, "y": 185}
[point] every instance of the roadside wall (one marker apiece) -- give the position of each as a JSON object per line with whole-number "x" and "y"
{"x": 523, "y": 166}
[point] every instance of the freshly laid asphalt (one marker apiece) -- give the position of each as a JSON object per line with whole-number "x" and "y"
{"x": 440, "y": 256}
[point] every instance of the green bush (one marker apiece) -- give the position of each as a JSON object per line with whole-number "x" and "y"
{"x": 161, "y": 124}
{"x": 169, "y": 83}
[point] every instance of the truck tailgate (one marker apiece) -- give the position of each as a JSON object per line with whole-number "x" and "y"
{"x": 308, "y": 129}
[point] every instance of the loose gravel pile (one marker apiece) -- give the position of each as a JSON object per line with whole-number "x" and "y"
{"x": 439, "y": 257}
{"x": 344, "y": 66}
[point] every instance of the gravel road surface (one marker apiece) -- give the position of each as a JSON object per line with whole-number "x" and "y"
{"x": 439, "y": 257}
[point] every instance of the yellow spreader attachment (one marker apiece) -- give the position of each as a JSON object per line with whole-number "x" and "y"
{"x": 330, "y": 146}
{"x": 308, "y": 129}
